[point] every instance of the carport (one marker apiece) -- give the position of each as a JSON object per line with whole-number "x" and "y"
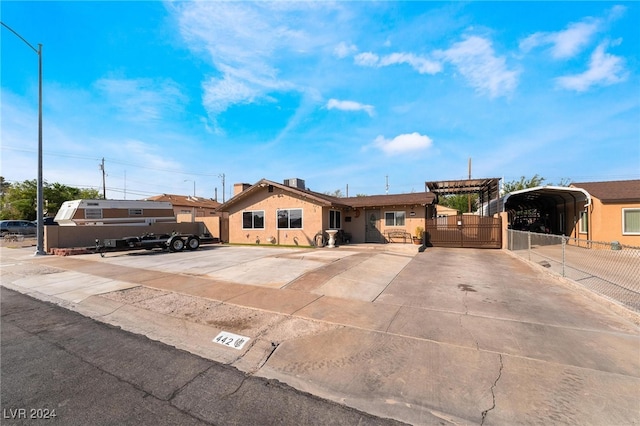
{"x": 480, "y": 230}
{"x": 552, "y": 209}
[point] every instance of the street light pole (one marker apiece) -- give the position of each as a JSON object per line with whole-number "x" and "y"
{"x": 194, "y": 185}
{"x": 40, "y": 199}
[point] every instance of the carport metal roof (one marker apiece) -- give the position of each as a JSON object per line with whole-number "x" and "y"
{"x": 545, "y": 196}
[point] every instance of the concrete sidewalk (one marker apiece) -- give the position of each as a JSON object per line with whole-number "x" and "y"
{"x": 454, "y": 336}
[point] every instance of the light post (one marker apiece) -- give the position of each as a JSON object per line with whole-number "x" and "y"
{"x": 40, "y": 199}
{"x": 194, "y": 185}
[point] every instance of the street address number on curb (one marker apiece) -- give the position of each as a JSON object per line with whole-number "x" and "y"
{"x": 232, "y": 340}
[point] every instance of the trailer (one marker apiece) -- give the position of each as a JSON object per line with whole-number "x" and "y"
{"x": 170, "y": 242}
{"x": 114, "y": 212}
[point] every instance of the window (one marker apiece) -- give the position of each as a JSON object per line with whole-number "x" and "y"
{"x": 394, "y": 218}
{"x": 135, "y": 212}
{"x": 290, "y": 219}
{"x": 93, "y": 213}
{"x": 562, "y": 225}
{"x": 334, "y": 219}
{"x": 253, "y": 219}
{"x": 631, "y": 221}
{"x": 584, "y": 222}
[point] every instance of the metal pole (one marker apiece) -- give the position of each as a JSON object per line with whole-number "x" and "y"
{"x": 39, "y": 196}
{"x": 40, "y": 242}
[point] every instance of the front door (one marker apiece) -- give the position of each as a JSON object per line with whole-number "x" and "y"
{"x": 372, "y": 232}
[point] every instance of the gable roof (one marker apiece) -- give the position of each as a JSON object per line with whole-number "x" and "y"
{"x": 619, "y": 191}
{"x": 186, "y": 201}
{"x": 414, "y": 198}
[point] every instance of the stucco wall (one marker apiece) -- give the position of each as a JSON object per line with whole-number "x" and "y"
{"x": 315, "y": 218}
{"x": 606, "y": 223}
{"x": 269, "y": 202}
{"x": 85, "y": 236}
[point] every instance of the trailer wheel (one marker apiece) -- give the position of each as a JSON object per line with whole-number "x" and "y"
{"x": 193, "y": 243}
{"x": 176, "y": 244}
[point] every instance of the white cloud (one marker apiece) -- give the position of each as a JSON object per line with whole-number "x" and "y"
{"x": 574, "y": 38}
{"x": 604, "y": 69}
{"x": 343, "y": 50}
{"x": 142, "y": 99}
{"x": 408, "y": 142}
{"x": 566, "y": 43}
{"x": 477, "y": 62}
{"x": 350, "y": 106}
{"x": 247, "y": 41}
{"x": 420, "y": 64}
{"x": 366, "y": 59}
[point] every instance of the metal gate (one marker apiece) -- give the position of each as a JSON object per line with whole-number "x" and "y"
{"x": 464, "y": 231}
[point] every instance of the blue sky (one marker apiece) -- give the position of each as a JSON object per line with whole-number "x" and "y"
{"x": 335, "y": 93}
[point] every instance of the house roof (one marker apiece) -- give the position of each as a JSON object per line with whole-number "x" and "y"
{"x": 386, "y": 200}
{"x": 186, "y": 201}
{"x": 612, "y": 191}
{"x": 416, "y": 198}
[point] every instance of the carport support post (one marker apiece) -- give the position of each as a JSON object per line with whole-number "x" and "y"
{"x": 529, "y": 244}
{"x": 564, "y": 244}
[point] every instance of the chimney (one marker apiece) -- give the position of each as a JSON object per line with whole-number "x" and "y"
{"x": 239, "y": 187}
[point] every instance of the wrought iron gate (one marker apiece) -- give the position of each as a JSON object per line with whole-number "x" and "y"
{"x": 464, "y": 231}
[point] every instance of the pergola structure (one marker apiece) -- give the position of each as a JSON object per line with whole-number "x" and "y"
{"x": 488, "y": 189}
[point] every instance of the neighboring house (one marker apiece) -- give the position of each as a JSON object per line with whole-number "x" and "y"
{"x": 188, "y": 208}
{"x": 614, "y": 213}
{"x": 289, "y": 214}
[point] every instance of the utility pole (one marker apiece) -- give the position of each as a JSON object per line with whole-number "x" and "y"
{"x": 104, "y": 181}
{"x": 223, "y": 190}
{"x": 387, "y": 186}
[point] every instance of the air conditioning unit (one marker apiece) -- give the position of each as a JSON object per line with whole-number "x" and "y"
{"x": 295, "y": 183}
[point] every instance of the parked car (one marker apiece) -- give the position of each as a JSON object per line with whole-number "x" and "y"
{"x": 47, "y": 221}
{"x": 23, "y": 227}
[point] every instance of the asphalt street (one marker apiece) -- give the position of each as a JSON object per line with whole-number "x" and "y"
{"x": 59, "y": 366}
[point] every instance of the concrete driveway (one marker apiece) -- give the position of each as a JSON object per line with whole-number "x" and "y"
{"x": 448, "y": 336}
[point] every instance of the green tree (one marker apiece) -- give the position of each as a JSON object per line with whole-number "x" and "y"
{"x": 337, "y": 193}
{"x": 522, "y": 183}
{"x": 460, "y": 202}
{"x": 19, "y": 200}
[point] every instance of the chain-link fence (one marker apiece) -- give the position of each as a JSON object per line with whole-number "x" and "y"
{"x": 610, "y": 269}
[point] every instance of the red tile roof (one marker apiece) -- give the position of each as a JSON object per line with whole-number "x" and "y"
{"x": 186, "y": 201}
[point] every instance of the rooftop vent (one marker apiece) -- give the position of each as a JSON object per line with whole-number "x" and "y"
{"x": 295, "y": 183}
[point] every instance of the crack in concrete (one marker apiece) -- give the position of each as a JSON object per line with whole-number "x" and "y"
{"x": 493, "y": 393}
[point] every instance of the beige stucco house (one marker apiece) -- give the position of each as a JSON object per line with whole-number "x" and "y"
{"x": 268, "y": 212}
{"x": 614, "y": 213}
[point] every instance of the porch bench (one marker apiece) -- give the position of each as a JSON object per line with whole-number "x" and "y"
{"x": 392, "y": 236}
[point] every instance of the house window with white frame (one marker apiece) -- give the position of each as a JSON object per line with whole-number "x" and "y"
{"x": 584, "y": 222}
{"x": 631, "y": 221}
{"x": 334, "y": 219}
{"x": 394, "y": 218}
{"x": 253, "y": 219}
{"x": 289, "y": 218}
